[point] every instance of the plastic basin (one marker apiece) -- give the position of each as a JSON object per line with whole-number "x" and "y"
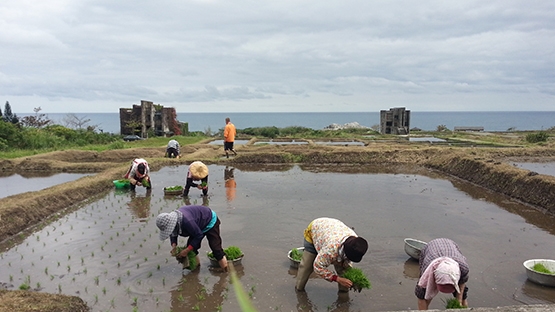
{"x": 538, "y": 277}
{"x": 413, "y": 247}
{"x": 292, "y": 262}
{"x": 121, "y": 183}
{"x": 169, "y": 191}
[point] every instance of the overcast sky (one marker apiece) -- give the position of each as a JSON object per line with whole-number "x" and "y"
{"x": 72, "y": 56}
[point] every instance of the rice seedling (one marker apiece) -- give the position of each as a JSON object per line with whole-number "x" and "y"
{"x": 540, "y": 267}
{"x": 358, "y": 278}
{"x": 296, "y": 254}
{"x": 104, "y": 290}
{"x": 38, "y": 285}
{"x": 453, "y": 303}
{"x": 24, "y": 286}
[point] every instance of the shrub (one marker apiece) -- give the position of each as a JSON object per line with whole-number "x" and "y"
{"x": 537, "y": 137}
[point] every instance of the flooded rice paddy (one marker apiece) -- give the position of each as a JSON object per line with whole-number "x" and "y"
{"x": 15, "y": 183}
{"x": 108, "y": 251}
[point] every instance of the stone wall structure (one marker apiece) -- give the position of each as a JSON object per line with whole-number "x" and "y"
{"x": 395, "y": 121}
{"x": 141, "y": 119}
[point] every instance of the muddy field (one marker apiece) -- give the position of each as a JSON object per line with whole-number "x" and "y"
{"x": 308, "y": 187}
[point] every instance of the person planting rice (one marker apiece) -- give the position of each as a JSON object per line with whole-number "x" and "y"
{"x": 443, "y": 268}
{"x": 172, "y": 150}
{"x": 194, "y": 222}
{"x": 329, "y": 241}
{"x": 197, "y": 172}
{"x": 138, "y": 174}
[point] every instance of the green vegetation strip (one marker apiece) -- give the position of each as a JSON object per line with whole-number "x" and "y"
{"x": 174, "y": 188}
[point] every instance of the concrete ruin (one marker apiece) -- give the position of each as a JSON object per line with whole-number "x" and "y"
{"x": 395, "y": 121}
{"x": 149, "y": 118}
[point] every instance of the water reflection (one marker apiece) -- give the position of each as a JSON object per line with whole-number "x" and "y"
{"x": 205, "y": 201}
{"x": 230, "y": 184}
{"x": 411, "y": 269}
{"x": 193, "y": 293}
{"x": 532, "y": 216}
{"x": 140, "y": 204}
{"x": 539, "y": 292}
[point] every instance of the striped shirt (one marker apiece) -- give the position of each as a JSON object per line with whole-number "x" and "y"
{"x": 441, "y": 247}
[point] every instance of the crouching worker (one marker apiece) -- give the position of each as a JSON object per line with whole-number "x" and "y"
{"x": 138, "y": 174}
{"x": 442, "y": 269}
{"x": 194, "y": 222}
{"x": 329, "y": 241}
{"x": 172, "y": 150}
{"x": 197, "y": 172}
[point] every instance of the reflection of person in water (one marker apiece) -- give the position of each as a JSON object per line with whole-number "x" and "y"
{"x": 186, "y": 294}
{"x": 230, "y": 184}
{"x": 140, "y": 205}
{"x": 205, "y": 201}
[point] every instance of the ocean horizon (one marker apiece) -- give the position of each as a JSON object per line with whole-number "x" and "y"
{"x": 427, "y": 121}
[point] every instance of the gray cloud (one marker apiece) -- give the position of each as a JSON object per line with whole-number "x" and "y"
{"x": 277, "y": 55}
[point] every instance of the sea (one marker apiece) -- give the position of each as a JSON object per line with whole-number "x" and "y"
{"x": 428, "y": 121}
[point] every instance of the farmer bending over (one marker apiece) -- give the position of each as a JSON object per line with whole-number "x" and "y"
{"x": 442, "y": 269}
{"x": 329, "y": 241}
{"x": 197, "y": 172}
{"x": 138, "y": 174}
{"x": 194, "y": 222}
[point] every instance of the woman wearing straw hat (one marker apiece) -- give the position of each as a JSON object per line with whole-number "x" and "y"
{"x": 194, "y": 222}
{"x": 197, "y": 172}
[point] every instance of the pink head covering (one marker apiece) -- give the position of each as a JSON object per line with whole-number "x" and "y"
{"x": 443, "y": 271}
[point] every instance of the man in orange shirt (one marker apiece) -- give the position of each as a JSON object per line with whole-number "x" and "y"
{"x": 229, "y": 137}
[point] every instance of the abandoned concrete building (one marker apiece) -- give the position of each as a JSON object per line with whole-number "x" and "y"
{"x": 395, "y": 121}
{"x": 149, "y": 118}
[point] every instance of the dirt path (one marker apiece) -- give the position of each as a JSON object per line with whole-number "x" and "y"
{"x": 486, "y": 167}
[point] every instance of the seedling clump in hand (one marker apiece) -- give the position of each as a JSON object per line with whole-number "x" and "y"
{"x": 192, "y": 258}
{"x": 453, "y": 303}
{"x": 358, "y": 278}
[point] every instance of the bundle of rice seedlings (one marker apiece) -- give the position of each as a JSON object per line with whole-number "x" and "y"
{"x": 296, "y": 254}
{"x": 539, "y": 267}
{"x": 453, "y": 303}
{"x": 358, "y": 278}
{"x": 231, "y": 253}
{"x": 189, "y": 262}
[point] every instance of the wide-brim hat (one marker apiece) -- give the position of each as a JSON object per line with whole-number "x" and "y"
{"x": 198, "y": 170}
{"x": 355, "y": 248}
{"x": 166, "y": 223}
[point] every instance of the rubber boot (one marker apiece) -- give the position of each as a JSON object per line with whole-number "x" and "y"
{"x": 340, "y": 270}
{"x": 306, "y": 267}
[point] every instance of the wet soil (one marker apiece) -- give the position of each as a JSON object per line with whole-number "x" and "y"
{"x": 395, "y": 195}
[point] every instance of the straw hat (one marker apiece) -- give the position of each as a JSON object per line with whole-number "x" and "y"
{"x": 198, "y": 170}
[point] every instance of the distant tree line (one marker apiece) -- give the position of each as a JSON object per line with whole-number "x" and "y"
{"x": 38, "y": 132}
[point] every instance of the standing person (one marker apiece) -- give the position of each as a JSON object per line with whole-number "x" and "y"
{"x": 138, "y": 174}
{"x": 172, "y": 150}
{"x": 194, "y": 222}
{"x": 329, "y": 241}
{"x": 197, "y": 172}
{"x": 229, "y": 137}
{"x": 442, "y": 269}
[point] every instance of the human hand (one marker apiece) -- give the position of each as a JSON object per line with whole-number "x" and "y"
{"x": 345, "y": 282}
{"x": 172, "y": 252}
{"x": 132, "y": 181}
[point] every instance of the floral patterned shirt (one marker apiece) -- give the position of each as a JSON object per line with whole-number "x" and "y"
{"x": 328, "y": 235}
